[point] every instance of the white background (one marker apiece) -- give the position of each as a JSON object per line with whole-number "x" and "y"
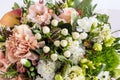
{"x": 111, "y": 7}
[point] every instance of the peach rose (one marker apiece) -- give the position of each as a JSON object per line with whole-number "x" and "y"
{"x": 20, "y": 43}
{"x": 66, "y": 15}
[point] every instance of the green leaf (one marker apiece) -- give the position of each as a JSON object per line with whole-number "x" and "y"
{"x": 64, "y": 60}
{"x": 86, "y": 8}
{"x": 16, "y": 6}
{"x": 103, "y": 18}
{"x": 76, "y": 4}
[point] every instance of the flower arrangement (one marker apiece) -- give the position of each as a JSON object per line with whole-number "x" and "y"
{"x": 57, "y": 40}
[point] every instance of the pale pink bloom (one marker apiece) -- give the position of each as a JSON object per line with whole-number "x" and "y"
{"x": 66, "y": 14}
{"x": 20, "y": 43}
{"x": 4, "y": 63}
{"x": 39, "y": 13}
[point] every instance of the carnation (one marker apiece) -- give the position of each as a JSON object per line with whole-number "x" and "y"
{"x": 46, "y": 69}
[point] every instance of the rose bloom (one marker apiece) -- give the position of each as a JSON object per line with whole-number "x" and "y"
{"x": 39, "y": 13}
{"x": 66, "y": 14}
{"x": 20, "y": 43}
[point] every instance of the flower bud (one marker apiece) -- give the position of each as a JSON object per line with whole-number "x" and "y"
{"x": 67, "y": 54}
{"x": 83, "y": 35}
{"x": 109, "y": 42}
{"x": 64, "y": 31}
{"x": 46, "y": 49}
{"x": 75, "y": 35}
{"x": 64, "y": 43}
{"x": 25, "y": 62}
{"x": 97, "y": 47}
{"x": 46, "y": 29}
{"x": 38, "y": 36}
{"x": 54, "y": 57}
{"x": 54, "y": 22}
{"x": 84, "y": 60}
{"x": 58, "y": 77}
{"x": 57, "y": 43}
{"x": 69, "y": 39}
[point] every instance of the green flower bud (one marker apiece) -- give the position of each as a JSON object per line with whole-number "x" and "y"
{"x": 109, "y": 42}
{"x": 25, "y": 62}
{"x": 58, "y": 77}
{"x": 32, "y": 74}
{"x": 97, "y": 47}
{"x": 31, "y": 68}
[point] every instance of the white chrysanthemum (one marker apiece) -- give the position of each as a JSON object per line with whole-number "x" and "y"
{"x": 46, "y": 69}
{"x": 76, "y": 50}
{"x": 86, "y": 23}
{"x": 104, "y": 75}
{"x": 74, "y": 73}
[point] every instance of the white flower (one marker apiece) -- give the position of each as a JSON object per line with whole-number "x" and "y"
{"x": 63, "y": 43}
{"x": 64, "y": 31}
{"x": 38, "y": 36}
{"x": 38, "y": 78}
{"x": 54, "y": 22}
{"x": 67, "y": 54}
{"x": 83, "y": 35}
{"x": 74, "y": 73}
{"x": 46, "y": 29}
{"x": 104, "y": 75}
{"x": 57, "y": 43}
{"x": 76, "y": 50}
{"x": 75, "y": 35}
{"x": 46, "y": 69}
{"x": 86, "y": 23}
{"x": 54, "y": 57}
{"x": 46, "y": 49}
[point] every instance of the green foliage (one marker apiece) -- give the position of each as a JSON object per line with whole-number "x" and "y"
{"x": 116, "y": 44}
{"x": 16, "y": 6}
{"x": 28, "y": 3}
{"x": 107, "y": 56}
{"x": 11, "y": 72}
{"x": 87, "y": 8}
{"x": 76, "y": 4}
{"x": 103, "y": 18}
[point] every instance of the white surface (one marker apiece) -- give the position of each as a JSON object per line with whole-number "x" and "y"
{"x": 111, "y": 7}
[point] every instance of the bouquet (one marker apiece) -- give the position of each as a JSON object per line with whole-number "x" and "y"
{"x": 57, "y": 40}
